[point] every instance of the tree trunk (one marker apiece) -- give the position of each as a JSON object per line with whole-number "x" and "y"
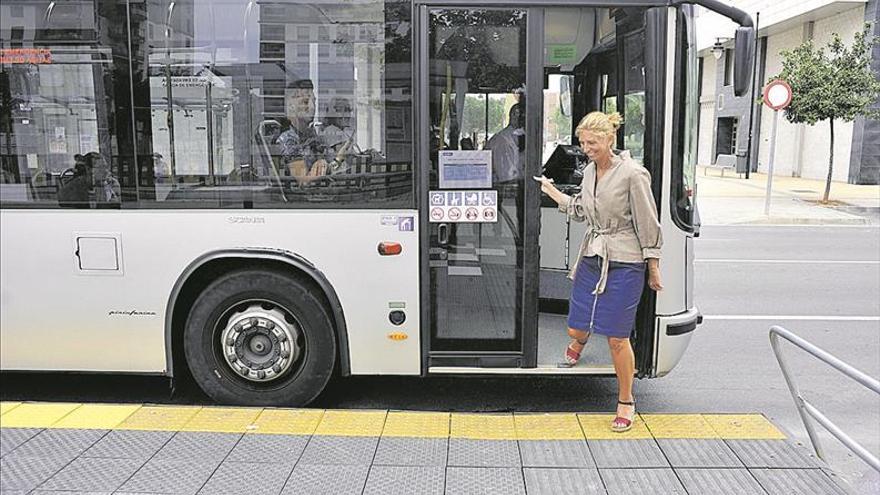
{"x": 830, "y": 164}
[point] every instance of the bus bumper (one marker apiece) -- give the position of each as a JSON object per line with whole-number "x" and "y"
{"x": 673, "y": 337}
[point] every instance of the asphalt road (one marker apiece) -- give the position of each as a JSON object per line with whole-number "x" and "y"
{"x": 821, "y": 282}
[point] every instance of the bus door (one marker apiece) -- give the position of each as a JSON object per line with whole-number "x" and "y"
{"x": 479, "y": 146}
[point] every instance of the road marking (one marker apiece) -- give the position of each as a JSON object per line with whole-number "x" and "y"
{"x": 791, "y": 317}
{"x": 813, "y": 262}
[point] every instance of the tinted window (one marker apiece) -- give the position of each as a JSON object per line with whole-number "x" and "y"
{"x": 273, "y": 104}
{"x": 64, "y": 118}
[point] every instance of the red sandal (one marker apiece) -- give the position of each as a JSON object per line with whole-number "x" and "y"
{"x": 621, "y": 423}
{"x": 571, "y": 356}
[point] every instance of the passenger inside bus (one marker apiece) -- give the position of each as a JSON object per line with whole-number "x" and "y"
{"x": 338, "y": 134}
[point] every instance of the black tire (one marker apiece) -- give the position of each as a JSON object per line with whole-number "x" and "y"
{"x": 307, "y": 374}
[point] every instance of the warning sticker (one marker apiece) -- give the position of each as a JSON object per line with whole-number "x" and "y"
{"x": 463, "y": 206}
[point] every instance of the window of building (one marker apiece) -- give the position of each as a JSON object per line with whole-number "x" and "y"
{"x": 728, "y": 67}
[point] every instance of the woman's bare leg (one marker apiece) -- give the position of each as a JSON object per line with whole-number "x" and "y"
{"x": 624, "y": 366}
{"x": 577, "y": 336}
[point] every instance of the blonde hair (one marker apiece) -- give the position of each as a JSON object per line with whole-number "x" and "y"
{"x": 601, "y": 123}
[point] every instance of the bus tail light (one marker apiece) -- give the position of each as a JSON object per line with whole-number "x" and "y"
{"x": 390, "y": 248}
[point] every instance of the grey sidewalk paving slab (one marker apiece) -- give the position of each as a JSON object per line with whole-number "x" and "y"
{"x": 641, "y": 481}
{"x": 199, "y": 446}
{"x": 163, "y": 476}
{"x": 400, "y": 451}
{"x": 796, "y": 482}
{"x": 720, "y": 481}
{"x": 93, "y": 474}
{"x": 60, "y": 443}
{"x": 277, "y": 449}
{"x": 483, "y": 453}
{"x": 641, "y": 453}
{"x": 544, "y": 481}
{"x": 125, "y": 444}
{"x": 340, "y": 450}
{"x": 235, "y": 478}
{"x": 65, "y": 492}
{"x": 772, "y": 454}
{"x": 18, "y": 472}
{"x": 406, "y": 480}
{"x": 699, "y": 453}
{"x": 317, "y": 479}
{"x": 11, "y": 438}
{"x": 484, "y": 481}
{"x": 556, "y": 454}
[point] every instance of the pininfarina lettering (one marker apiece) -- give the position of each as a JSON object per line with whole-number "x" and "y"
{"x": 133, "y": 312}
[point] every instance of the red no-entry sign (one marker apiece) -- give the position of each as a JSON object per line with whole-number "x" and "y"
{"x": 777, "y": 94}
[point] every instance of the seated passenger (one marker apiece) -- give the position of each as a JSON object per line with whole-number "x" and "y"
{"x": 338, "y": 134}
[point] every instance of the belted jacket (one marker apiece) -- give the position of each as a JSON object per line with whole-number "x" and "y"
{"x": 620, "y": 213}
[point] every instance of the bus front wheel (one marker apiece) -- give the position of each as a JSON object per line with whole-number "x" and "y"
{"x": 257, "y": 337}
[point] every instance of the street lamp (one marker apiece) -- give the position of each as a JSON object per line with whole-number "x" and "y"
{"x": 718, "y": 47}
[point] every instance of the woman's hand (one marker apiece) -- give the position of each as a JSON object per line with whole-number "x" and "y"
{"x": 654, "y": 274}
{"x": 547, "y": 186}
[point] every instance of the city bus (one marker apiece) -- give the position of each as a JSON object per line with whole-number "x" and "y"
{"x": 264, "y": 194}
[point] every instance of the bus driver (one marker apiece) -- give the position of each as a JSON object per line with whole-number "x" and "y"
{"x": 301, "y": 150}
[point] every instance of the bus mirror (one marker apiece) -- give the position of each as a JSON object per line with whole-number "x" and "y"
{"x": 744, "y": 49}
{"x": 565, "y": 95}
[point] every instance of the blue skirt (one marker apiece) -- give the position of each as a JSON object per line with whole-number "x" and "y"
{"x": 612, "y": 313}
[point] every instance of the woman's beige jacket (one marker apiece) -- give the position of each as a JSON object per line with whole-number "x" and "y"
{"x": 620, "y": 212}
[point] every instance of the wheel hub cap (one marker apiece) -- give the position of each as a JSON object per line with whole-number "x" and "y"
{"x": 259, "y": 344}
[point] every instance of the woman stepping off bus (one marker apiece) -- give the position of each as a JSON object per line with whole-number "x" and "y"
{"x": 622, "y": 238}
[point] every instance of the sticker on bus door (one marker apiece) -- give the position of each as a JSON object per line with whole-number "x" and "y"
{"x": 463, "y": 206}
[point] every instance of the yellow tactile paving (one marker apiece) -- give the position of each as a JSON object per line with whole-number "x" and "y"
{"x": 522, "y": 426}
{"x": 36, "y": 415}
{"x": 743, "y": 427}
{"x": 678, "y": 426}
{"x": 352, "y": 423}
{"x": 483, "y": 426}
{"x": 97, "y": 416}
{"x": 8, "y": 406}
{"x": 416, "y": 424}
{"x": 159, "y": 418}
{"x": 287, "y": 421}
{"x": 598, "y": 427}
{"x": 548, "y": 426}
{"x": 223, "y": 419}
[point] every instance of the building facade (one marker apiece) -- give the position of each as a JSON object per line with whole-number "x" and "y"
{"x": 801, "y": 150}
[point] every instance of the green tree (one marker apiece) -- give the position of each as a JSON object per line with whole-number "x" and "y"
{"x": 836, "y": 86}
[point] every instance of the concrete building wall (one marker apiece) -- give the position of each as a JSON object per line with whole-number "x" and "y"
{"x": 816, "y": 141}
{"x": 787, "y": 133}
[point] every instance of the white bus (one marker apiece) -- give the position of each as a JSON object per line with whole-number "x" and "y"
{"x": 265, "y": 193}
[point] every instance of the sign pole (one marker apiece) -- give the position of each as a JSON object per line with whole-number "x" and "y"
{"x": 770, "y": 164}
{"x": 777, "y": 95}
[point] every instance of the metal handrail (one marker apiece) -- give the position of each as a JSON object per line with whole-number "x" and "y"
{"x": 807, "y": 410}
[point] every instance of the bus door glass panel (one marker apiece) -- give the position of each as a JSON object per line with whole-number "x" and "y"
{"x": 632, "y": 106}
{"x": 476, "y": 78}
{"x": 59, "y": 144}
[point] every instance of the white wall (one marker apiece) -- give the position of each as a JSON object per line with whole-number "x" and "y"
{"x": 816, "y": 138}
{"x": 786, "y": 135}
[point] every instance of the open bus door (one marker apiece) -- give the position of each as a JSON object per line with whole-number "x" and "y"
{"x": 478, "y": 124}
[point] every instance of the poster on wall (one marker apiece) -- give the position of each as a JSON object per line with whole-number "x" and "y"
{"x": 465, "y": 169}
